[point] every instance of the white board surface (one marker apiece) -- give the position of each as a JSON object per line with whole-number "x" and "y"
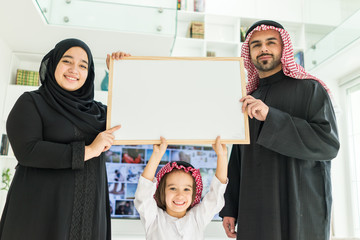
{"x": 185, "y": 100}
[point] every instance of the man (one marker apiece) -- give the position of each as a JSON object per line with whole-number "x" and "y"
{"x": 279, "y": 185}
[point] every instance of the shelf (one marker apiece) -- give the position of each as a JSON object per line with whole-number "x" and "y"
{"x": 224, "y": 49}
{"x": 190, "y": 16}
{"x": 184, "y": 20}
{"x": 12, "y": 94}
{"x": 188, "y": 47}
{"x": 7, "y": 158}
{"x": 31, "y": 61}
{"x": 222, "y": 28}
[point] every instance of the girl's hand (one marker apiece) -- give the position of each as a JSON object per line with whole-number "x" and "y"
{"x": 153, "y": 163}
{"x": 116, "y": 56}
{"x": 101, "y": 143}
{"x": 159, "y": 150}
{"x": 221, "y": 168}
{"x": 220, "y": 149}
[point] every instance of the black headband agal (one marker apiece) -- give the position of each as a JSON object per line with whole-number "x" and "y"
{"x": 263, "y": 22}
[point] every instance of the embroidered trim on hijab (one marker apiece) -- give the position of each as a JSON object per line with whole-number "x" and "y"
{"x": 289, "y": 66}
{"x": 195, "y": 173}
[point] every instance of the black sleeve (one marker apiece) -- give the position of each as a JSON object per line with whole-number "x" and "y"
{"x": 314, "y": 138}
{"x": 24, "y": 128}
{"x": 232, "y": 190}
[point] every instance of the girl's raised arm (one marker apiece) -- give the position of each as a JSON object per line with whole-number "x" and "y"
{"x": 222, "y": 162}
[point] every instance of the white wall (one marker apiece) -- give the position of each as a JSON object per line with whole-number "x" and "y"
{"x": 333, "y": 72}
{"x": 5, "y": 60}
{"x": 286, "y": 10}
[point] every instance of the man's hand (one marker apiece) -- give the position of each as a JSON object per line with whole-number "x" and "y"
{"x": 229, "y": 226}
{"x": 255, "y": 107}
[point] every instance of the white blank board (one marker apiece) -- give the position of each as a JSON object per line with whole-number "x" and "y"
{"x": 185, "y": 100}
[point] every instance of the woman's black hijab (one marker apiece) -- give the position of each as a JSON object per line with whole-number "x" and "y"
{"x": 77, "y": 106}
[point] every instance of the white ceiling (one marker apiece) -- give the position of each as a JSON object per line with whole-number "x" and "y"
{"x": 23, "y": 28}
{"x": 340, "y": 66}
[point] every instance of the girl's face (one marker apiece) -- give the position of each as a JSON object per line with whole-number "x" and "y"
{"x": 72, "y": 69}
{"x": 178, "y": 193}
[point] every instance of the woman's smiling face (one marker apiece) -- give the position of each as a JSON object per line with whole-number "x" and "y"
{"x": 72, "y": 69}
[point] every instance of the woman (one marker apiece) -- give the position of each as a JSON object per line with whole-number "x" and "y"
{"x": 59, "y": 190}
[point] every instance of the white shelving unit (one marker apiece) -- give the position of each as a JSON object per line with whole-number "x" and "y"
{"x": 222, "y": 34}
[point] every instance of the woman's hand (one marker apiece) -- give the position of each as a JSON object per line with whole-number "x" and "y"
{"x": 101, "y": 143}
{"x": 115, "y": 56}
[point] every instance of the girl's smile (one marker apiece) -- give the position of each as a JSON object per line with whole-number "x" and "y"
{"x": 178, "y": 193}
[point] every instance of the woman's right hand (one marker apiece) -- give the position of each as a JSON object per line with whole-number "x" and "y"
{"x": 101, "y": 143}
{"x": 116, "y": 56}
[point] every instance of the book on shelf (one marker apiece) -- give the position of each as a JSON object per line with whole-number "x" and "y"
{"x": 210, "y": 53}
{"x": 4, "y": 145}
{"x": 27, "y": 77}
{"x": 196, "y": 30}
{"x": 299, "y": 58}
{"x": 199, "y": 5}
{"x": 191, "y": 5}
{"x": 243, "y": 31}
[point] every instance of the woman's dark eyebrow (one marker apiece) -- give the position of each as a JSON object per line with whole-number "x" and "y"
{"x": 68, "y": 56}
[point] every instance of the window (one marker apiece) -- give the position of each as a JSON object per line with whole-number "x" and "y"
{"x": 353, "y": 100}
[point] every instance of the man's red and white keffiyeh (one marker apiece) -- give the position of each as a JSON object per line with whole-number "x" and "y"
{"x": 289, "y": 66}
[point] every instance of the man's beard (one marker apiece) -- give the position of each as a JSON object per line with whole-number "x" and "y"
{"x": 266, "y": 65}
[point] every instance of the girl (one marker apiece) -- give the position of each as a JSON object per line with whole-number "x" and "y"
{"x": 174, "y": 211}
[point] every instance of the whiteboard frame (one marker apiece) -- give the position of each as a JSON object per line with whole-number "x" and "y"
{"x": 110, "y": 109}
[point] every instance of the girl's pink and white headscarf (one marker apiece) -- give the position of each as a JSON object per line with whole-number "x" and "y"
{"x": 195, "y": 173}
{"x": 289, "y": 66}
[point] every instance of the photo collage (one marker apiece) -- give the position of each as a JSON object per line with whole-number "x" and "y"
{"x": 126, "y": 163}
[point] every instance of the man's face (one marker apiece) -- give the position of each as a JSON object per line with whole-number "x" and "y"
{"x": 265, "y": 51}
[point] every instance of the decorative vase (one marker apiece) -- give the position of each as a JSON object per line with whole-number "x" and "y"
{"x": 105, "y": 82}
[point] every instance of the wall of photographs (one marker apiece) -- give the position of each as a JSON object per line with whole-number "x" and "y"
{"x": 125, "y": 164}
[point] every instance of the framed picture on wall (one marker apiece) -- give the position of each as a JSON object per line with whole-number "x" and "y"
{"x": 124, "y": 176}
